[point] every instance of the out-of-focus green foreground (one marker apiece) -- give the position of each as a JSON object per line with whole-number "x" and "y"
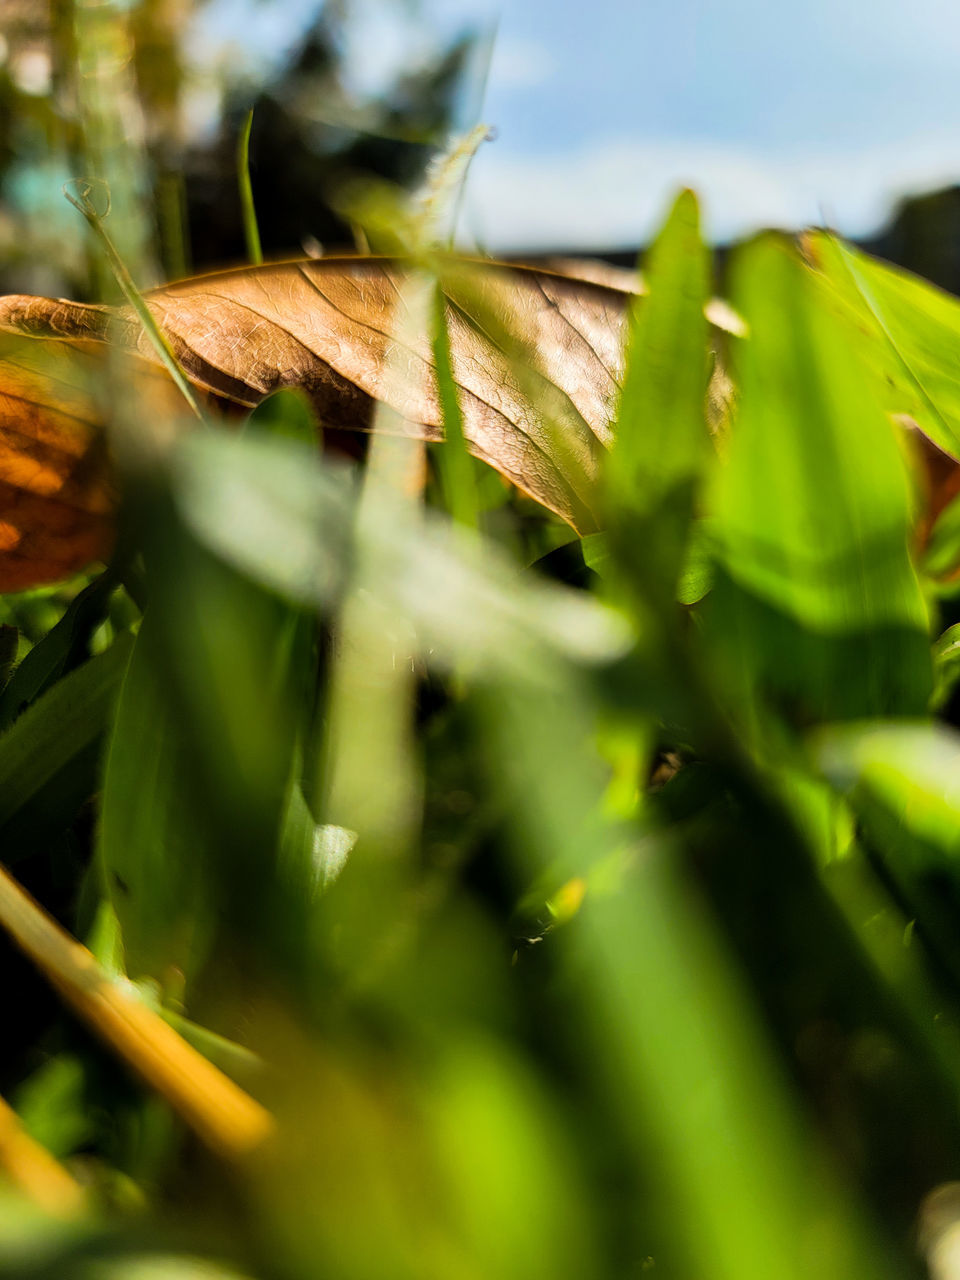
{"x": 577, "y": 908}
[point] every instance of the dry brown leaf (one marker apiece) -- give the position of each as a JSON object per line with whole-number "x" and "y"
{"x": 328, "y": 326}
{"x": 536, "y": 357}
{"x": 57, "y": 497}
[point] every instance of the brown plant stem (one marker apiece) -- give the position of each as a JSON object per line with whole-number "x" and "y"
{"x": 228, "y": 1120}
{"x": 34, "y": 1171}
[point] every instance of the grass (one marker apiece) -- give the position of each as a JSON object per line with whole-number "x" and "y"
{"x": 549, "y": 926}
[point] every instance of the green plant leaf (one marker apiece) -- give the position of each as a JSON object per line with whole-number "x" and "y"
{"x": 52, "y": 1105}
{"x": 946, "y": 667}
{"x": 819, "y": 602}
{"x": 454, "y": 464}
{"x": 912, "y": 768}
{"x": 61, "y": 648}
{"x": 149, "y": 844}
{"x": 903, "y": 782}
{"x": 672, "y": 1029}
{"x": 661, "y": 438}
{"x": 914, "y": 331}
{"x": 61, "y": 725}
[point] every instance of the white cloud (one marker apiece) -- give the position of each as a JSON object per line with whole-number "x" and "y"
{"x": 614, "y": 192}
{"x": 518, "y": 63}
{"x": 381, "y": 44}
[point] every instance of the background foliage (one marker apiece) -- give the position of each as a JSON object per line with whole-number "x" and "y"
{"x": 577, "y": 907}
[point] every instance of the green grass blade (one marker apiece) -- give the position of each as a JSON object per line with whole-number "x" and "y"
{"x": 913, "y": 333}
{"x": 661, "y": 439}
{"x": 65, "y": 721}
{"x": 454, "y": 463}
{"x": 248, "y": 211}
{"x": 83, "y": 202}
{"x": 901, "y": 780}
{"x": 149, "y": 849}
{"x": 62, "y": 647}
{"x": 671, "y": 1030}
{"x": 818, "y": 600}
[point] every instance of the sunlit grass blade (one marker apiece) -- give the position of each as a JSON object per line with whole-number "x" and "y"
{"x": 456, "y": 467}
{"x": 661, "y": 440}
{"x": 901, "y": 781}
{"x": 560, "y": 449}
{"x": 819, "y": 602}
{"x": 946, "y": 667}
{"x": 914, "y": 331}
{"x": 909, "y": 767}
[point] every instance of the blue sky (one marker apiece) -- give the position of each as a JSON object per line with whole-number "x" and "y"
{"x": 778, "y": 114}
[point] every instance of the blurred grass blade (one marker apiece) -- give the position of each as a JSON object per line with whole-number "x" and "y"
{"x": 914, "y": 329}
{"x": 369, "y": 728}
{"x": 287, "y": 414}
{"x": 439, "y": 204}
{"x": 173, "y": 827}
{"x": 50, "y": 1104}
{"x": 149, "y": 845}
{"x": 946, "y": 667}
{"x": 694, "y": 1073}
{"x": 940, "y": 560}
{"x": 902, "y": 781}
{"x": 112, "y": 133}
{"x": 312, "y": 854}
{"x": 9, "y": 645}
{"x": 225, "y": 657}
{"x": 913, "y": 768}
{"x": 52, "y": 731}
{"x": 248, "y": 211}
{"x": 661, "y": 440}
{"x": 371, "y": 698}
{"x": 747, "y": 1193}
{"x": 281, "y": 514}
{"x": 454, "y": 463}
{"x": 269, "y": 507}
{"x": 818, "y": 600}
{"x": 62, "y": 647}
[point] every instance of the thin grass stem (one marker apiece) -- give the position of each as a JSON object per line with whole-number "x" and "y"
{"x": 251, "y": 230}
{"x": 228, "y": 1120}
{"x": 84, "y": 204}
{"x": 33, "y": 1170}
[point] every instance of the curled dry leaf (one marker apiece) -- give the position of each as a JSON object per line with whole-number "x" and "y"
{"x": 536, "y": 357}
{"x": 57, "y": 496}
